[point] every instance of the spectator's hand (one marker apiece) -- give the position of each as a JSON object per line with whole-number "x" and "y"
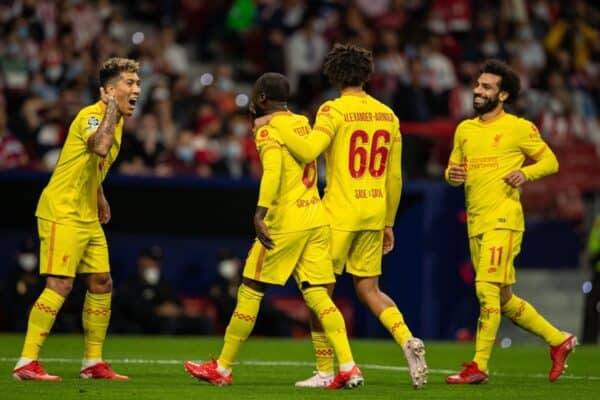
{"x": 262, "y": 121}
{"x": 515, "y": 178}
{"x": 262, "y": 233}
{"x": 388, "y": 239}
{"x": 457, "y": 174}
{"x": 103, "y": 209}
{"x": 168, "y": 309}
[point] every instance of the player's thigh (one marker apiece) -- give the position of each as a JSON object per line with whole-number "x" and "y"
{"x": 61, "y": 247}
{"x": 314, "y": 266}
{"x": 364, "y": 258}
{"x": 339, "y": 247}
{"x": 275, "y": 266}
{"x": 497, "y": 253}
{"x": 95, "y": 258}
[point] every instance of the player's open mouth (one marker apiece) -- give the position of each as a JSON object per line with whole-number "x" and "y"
{"x": 133, "y": 102}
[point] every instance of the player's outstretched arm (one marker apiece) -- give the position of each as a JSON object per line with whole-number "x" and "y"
{"x": 101, "y": 140}
{"x": 305, "y": 149}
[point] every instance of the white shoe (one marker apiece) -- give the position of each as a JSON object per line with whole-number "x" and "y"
{"x": 414, "y": 351}
{"x": 318, "y": 380}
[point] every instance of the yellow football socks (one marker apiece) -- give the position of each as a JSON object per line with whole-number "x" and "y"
{"x": 320, "y": 303}
{"x": 41, "y": 318}
{"x": 95, "y": 317}
{"x": 489, "y": 321}
{"x": 526, "y": 316}
{"x": 393, "y": 321}
{"x": 240, "y": 325}
{"x": 323, "y": 352}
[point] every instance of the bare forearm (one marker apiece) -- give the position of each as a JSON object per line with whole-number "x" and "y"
{"x": 101, "y": 141}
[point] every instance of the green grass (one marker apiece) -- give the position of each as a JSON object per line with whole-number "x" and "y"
{"x": 155, "y": 366}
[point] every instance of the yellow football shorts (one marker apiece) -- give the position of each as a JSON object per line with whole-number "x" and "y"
{"x": 493, "y": 254}
{"x": 359, "y": 251}
{"x": 304, "y": 254}
{"x": 67, "y": 250}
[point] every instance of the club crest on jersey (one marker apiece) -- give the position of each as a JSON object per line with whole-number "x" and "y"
{"x": 325, "y": 109}
{"x": 497, "y": 140}
{"x": 264, "y": 133}
{"x": 93, "y": 123}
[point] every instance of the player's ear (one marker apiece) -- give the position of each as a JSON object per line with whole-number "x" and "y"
{"x": 503, "y": 96}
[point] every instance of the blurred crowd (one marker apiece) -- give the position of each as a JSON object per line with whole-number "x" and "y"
{"x": 198, "y": 60}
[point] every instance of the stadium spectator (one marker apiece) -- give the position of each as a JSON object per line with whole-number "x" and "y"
{"x": 147, "y": 303}
{"x": 591, "y": 325}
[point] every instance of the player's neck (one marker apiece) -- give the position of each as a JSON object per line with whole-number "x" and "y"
{"x": 492, "y": 115}
{"x": 276, "y": 107}
{"x": 352, "y": 90}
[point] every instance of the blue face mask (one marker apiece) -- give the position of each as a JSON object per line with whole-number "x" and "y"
{"x": 185, "y": 154}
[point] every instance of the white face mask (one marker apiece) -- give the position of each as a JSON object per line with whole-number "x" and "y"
{"x": 151, "y": 275}
{"x": 28, "y": 261}
{"x": 228, "y": 269}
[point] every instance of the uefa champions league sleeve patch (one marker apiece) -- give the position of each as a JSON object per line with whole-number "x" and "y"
{"x": 93, "y": 123}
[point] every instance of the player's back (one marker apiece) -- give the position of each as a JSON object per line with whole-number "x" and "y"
{"x": 298, "y": 204}
{"x": 357, "y": 160}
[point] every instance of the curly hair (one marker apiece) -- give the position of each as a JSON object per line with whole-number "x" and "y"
{"x": 348, "y": 65}
{"x": 113, "y": 67}
{"x": 509, "y": 80}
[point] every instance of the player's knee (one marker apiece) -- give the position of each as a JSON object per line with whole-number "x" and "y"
{"x": 59, "y": 284}
{"x": 100, "y": 283}
{"x": 505, "y": 295}
{"x": 486, "y": 291}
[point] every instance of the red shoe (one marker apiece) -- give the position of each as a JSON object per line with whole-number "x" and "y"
{"x": 101, "y": 370}
{"x": 208, "y": 372}
{"x": 559, "y": 354}
{"x": 33, "y": 372}
{"x": 347, "y": 379}
{"x": 471, "y": 374}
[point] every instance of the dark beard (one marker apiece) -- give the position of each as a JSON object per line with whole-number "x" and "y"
{"x": 486, "y": 107}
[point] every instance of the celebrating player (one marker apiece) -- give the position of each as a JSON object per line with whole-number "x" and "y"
{"x": 292, "y": 239}
{"x": 362, "y": 140}
{"x": 69, "y": 213}
{"x": 487, "y": 157}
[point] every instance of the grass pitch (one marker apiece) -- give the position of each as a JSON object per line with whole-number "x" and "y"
{"x": 269, "y": 367}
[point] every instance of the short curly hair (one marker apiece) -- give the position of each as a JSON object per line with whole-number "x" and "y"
{"x": 348, "y": 65}
{"x": 113, "y": 67}
{"x": 509, "y": 80}
{"x": 275, "y": 86}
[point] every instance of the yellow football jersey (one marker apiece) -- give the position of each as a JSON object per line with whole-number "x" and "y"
{"x": 71, "y": 196}
{"x": 491, "y": 150}
{"x": 288, "y": 188}
{"x": 363, "y": 176}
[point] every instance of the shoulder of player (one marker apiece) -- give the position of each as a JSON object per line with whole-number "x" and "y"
{"x": 267, "y": 134}
{"x": 331, "y": 107}
{"x": 90, "y": 116}
{"x": 521, "y": 125}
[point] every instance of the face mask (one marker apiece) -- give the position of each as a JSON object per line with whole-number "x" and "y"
{"x": 27, "y": 261}
{"x": 239, "y": 129}
{"x": 54, "y": 72}
{"x": 185, "y": 154}
{"x": 233, "y": 150}
{"x": 490, "y": 48}
{"x": 151, "y": 276}
{"x": 22, "y": 32}
{"x": 228, "y": 269}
